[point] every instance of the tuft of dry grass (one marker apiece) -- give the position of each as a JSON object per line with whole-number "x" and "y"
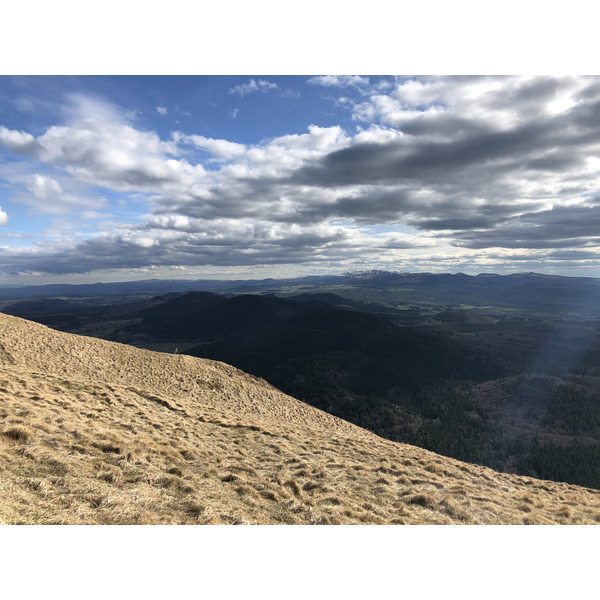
{"x": 97, "y": 432}
{"x": 17, "y": 433}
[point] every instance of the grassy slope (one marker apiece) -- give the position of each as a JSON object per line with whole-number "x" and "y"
{"x": 97, "y": 432}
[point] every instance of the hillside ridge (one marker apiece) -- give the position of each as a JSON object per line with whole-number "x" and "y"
{"x": 92, "y": 359}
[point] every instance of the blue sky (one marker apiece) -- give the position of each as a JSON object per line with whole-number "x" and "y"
{"x": 131, "y": 177}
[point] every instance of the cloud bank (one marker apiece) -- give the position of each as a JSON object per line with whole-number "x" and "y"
{"x": 438, "y": 173}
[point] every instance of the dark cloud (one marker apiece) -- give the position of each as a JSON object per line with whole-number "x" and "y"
{"x": 225, "y": 246}
{"x": 466, "y": 215}
{"x": 431, "y": 162}
{"x": 454, "y": 223}
{"x": 479, "y": 173}
{"x": 530, "y": 95}
{"x": 561, "y": 227}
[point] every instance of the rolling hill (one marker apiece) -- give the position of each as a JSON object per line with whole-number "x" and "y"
{"x": 92, "y": 431}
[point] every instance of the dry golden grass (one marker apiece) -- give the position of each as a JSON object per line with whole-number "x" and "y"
{"x": 97, "y": 432}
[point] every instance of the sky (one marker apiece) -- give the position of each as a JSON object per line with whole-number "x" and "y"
{"x": 107, "y": 178}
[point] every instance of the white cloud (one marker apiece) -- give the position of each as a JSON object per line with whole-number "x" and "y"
{"x": 17, "y": 141}
{"x": 161, "y": 110}
{"x": 376, "y": 135}
{"x": 144, "y": 242}
{"x": 115, "y": 155}
{"x": 169, "y": 222}
{"x": 498, "y": 103}
{"x": 43, "y": 187}
{"x": 99, "y": 147}
{"x": 3, "y": 217}
{"x": 86, "y": 108}
{"x": 244, "y": 88}
{"x": 219, "y": 148}
{"x": 339, "y": 80}
{"x": 266, "y": 85}
{"x": 252, "y": 86}
{"x": 133, "y": 114}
